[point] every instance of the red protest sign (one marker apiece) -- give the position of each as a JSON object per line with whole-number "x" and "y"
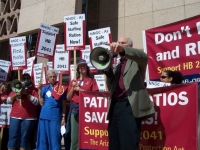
{"x": 174, "y": 125}
{"x": 173, "y": 46}
{"x": 93, "y": 132}
{"x": 170, "y": 128}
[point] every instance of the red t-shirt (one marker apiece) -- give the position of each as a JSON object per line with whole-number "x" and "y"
{"x": 88, "y": 84}
{"x": 27, "y": 110}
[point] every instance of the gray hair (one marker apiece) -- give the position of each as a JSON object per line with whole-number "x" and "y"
{"x": 52, "y": 71}
{"x": 130, "y": 42}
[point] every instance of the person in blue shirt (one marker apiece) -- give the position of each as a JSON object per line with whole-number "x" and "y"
{"x": 52, "y": 117}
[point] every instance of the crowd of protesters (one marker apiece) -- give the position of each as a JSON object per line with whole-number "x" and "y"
{"x": 38, "y": 113}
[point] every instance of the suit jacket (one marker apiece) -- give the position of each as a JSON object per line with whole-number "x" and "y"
{"x": 133, "y": 78}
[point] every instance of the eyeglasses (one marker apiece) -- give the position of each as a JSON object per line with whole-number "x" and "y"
{"x": 163, "y": 77}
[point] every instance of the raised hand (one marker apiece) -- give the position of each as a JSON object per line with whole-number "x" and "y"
{"x": 115, "y": 48}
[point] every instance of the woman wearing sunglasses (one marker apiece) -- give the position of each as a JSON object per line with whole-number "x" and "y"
{"x": 173, "y": 77}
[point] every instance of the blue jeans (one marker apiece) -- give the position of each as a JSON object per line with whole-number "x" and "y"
{"x": 19, "y": 132}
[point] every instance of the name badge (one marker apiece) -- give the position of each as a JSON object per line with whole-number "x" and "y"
{"x": 48, "y": 94}
{"x": 80, "y": 83}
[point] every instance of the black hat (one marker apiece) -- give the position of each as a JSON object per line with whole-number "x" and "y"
{"x": 26, "y": 74}
{"x": 82, "y": 61}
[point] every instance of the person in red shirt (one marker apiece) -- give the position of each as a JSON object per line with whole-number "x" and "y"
{"x": 3, "y": 98}
{"x": 23, "y": 114}
{"x": 3, "y": 92}
{"x": 84, "y": 82}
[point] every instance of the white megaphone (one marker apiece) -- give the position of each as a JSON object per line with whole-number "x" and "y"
{"x": 100, "y": 59}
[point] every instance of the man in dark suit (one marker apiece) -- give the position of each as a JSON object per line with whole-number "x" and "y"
{"x": 129, "y": 98}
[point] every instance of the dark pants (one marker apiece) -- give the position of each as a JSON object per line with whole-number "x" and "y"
{"x": 124, "y": 128}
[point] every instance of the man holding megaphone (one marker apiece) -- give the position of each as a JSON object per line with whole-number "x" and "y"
{"x": 129, "y": 98}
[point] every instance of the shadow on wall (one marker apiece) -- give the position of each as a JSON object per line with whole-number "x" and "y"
{"x": 108, "y": 16}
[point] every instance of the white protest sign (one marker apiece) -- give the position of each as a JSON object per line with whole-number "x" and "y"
{"x": 71, "y": 72}
{"x": 37, "y": 70}
{"x": 99, "y": 37}
{"x": 85, "y": 54}
{"x": 18, "y": 53}
{"x": 156, "y": 84}
{"x": 61, "y": 59}
{"x": 30, "y": 62}
{"x": 100, "y": 82}
{"x": 5, "y": 114}
{"x": 4, "y": 69}
{"x": 74, "y": 32}
{"x": 47, "y": 41}
{"x": 49, "y": 65}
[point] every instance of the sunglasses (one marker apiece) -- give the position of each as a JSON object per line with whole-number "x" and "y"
{"x": 163, "y": 77}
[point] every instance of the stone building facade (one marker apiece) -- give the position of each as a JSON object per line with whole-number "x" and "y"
{"x": 125, "y": 17}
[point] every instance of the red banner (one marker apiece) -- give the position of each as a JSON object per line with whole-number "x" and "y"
{"x": 93, "y": 132}
{"x": 173, "y": 46}
{"x": 172, "y": 127}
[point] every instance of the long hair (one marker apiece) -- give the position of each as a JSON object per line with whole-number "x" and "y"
{"x": 177, "y": 77}
{"x": 7, "y": 86}
{"x": 87, "y": 72}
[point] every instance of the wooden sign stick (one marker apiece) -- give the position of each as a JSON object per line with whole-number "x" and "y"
{"x": 19, "y": 78}
{"x": 74, "y": 64}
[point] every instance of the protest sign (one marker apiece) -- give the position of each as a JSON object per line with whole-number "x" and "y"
{"x": 49, "y": 65}
{"x": 85, "y": 54}
{"x": 99, "y": 37}
{"x": 4, "y": 69}
{"x": 74, "y": 32}
{"x": 174, "y": 46}
{"x": 46, "y": 42}
{"x": 173, "y": 104}
{"x": 61, "y": 61}
{"x": 156, "y": 84}
{"x": 5, "y": 110}
{"x": 93, "y": 133}
{"x": 163, "y": 130}
{"x": 100, "y": 79}
{"x": 18, "y": 53}
{"x": 37, "y": 70}
{"x": 29, "y": 70}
